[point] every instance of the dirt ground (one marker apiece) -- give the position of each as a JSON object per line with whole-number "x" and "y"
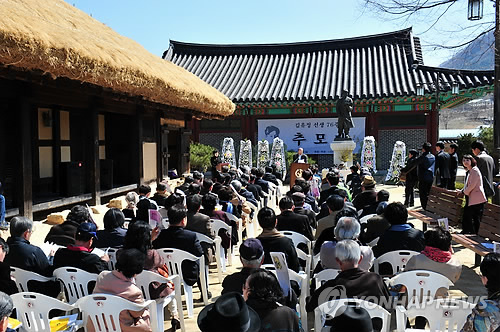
{"x": 469, "y": 283}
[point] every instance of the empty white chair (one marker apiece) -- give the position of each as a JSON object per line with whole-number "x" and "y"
{"x": 420, "y": 284}
{"x": 220, "y": 258}
{"x": 397, "y": 259}
{"x": 297, "y": 239}
{"x": 144, "y": 279}
{"x": 302, "y": 280}
{"x": 330, "y": 308}
{"x": 103, "y": 310}
{"x": 21, "y": 278}
{"x": 325, "y": 275}
{"x": 447, "y": 315}
{"x": 218, "y": 224}
{"x": 75, "y": 282}
{"x": 33, "y": 310}
{"x": 174, "y": 258}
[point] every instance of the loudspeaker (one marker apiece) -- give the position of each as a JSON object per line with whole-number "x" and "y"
{"x": 106, "y": 166}
{"x": 72, "y": 178}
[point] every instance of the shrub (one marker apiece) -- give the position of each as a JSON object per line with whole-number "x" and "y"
{"x": 200, "y": 155}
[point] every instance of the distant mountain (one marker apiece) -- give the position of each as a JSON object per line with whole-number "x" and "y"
{"x": 478, "y": 55}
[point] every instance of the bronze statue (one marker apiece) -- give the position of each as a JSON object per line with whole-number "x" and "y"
{"x": 344, "y": 110}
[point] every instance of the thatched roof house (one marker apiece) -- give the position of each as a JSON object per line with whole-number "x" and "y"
{"x": 56, "y": 38}
{"x": 86, "y": 113}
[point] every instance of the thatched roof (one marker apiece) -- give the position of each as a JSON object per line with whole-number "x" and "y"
{"x": 54, "y": 37}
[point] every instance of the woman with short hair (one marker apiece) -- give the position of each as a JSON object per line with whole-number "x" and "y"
{"x": 437, "y": 255}
{"x": 474, "y": 196}
{"x": 121, "y": 282}
{"x": 263, "y": 293}
{"x": 113, "y": 234}
{"x": 485, "y": 317}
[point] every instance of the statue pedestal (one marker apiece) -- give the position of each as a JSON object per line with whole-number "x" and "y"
{"x": 342, "y": 148}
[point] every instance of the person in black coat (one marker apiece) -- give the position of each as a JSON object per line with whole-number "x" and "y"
{"x": 442, "y": 167}
{"x": 298, "y": 202}
{"x": 175, "y": 236}
{"x": 291, "y": 221}
{"x": 255, "y": 189}
{"x": 273, "y": 241}
{"x": 80, "y": 254}
{"x": 64, "y": 234}
{"x": 269, "y": 176}
{"x": 300, "y": 156}
{"x": 411, "y": 177}
{"x": 7, "y": 285}
{"x": 453, "y": 166}
{"x": 425, "y": 164}
{"x": 113, "y": 234}
{"x": 333, "y": 180}
{"x": 261, "y": 182}
{"x": 401, "y": 235}
{"x": 24, "y": 255}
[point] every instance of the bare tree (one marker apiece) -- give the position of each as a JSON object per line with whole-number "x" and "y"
{"x": 429, "y": 13}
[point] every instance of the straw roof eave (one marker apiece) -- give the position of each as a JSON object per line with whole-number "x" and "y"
{"x": 56, "y": 38}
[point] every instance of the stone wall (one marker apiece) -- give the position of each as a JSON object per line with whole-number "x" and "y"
{"x": 413, "y": 138}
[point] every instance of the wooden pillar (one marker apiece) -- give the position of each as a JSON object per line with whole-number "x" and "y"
{"x": 159, "y": 152}
{"x": 93, "y": 163}
{"x": 164, "y": 150}
{"x": 56, "y": 155}
{"x": 433, "y": 125}
{"x": 26, "y": 165}
{"x": 138, "y": 124}
{"x": 185, "y": 138}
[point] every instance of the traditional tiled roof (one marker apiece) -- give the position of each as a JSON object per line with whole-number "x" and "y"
{"x": 378, "y": 66}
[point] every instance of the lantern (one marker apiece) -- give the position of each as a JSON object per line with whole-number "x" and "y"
{"x": 475, "y": 10}
{"x": 420, "y": 89}
{"x": 455, "y": 88}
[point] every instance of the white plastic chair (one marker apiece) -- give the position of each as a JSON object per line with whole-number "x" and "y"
{"x": 220, "y": 258}
{"x": 398, "y": 260}
{"x": 442, "y": 314}
{"x": 302, "y": 281}
{"x": 218, "y": 224}
{"x": 323, "y": 276}
{"x": 103, "y": 310}
{"x": 297, "y": 239}
{"x": 144, "y": 279}
{"x": 308, "y": 258}
{"x": 33, "y": 310}
{"x": 331, "y": 307}
{"x": 111, "y": 252}
{"x": 21, "y": 278}
{"x": 174, "y": 258}
{"x": 75, "y": 282}
{"x": 420, "y": 284}
{"x": 373, "y": 242}
{"x": 364, "y": 220}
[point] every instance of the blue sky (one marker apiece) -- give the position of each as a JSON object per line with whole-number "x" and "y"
{"x": 152, "y": 23}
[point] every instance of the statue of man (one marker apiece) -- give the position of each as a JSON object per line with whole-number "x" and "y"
{"x": 344, "y": 110}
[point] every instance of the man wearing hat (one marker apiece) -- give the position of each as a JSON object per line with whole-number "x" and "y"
{"x": 368, "y": 196}
{"x": 350, "y": 318}
{"x": 229, "y": 313}
{"x": 251, "y": 256}
{"x": 80, "y": 254}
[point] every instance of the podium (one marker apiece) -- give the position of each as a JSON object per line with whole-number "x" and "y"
{"x": 296, "y": 170}
{"x": 219, "y": 166}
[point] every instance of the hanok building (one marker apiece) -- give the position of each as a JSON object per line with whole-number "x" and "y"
{"x": 86, "y": 113}
{"x": 293, "y": 88}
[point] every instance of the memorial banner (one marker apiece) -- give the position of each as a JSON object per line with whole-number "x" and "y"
{"x": 314, "y": 135}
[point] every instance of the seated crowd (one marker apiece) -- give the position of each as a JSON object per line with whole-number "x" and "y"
{"x": 252, "y": 299}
